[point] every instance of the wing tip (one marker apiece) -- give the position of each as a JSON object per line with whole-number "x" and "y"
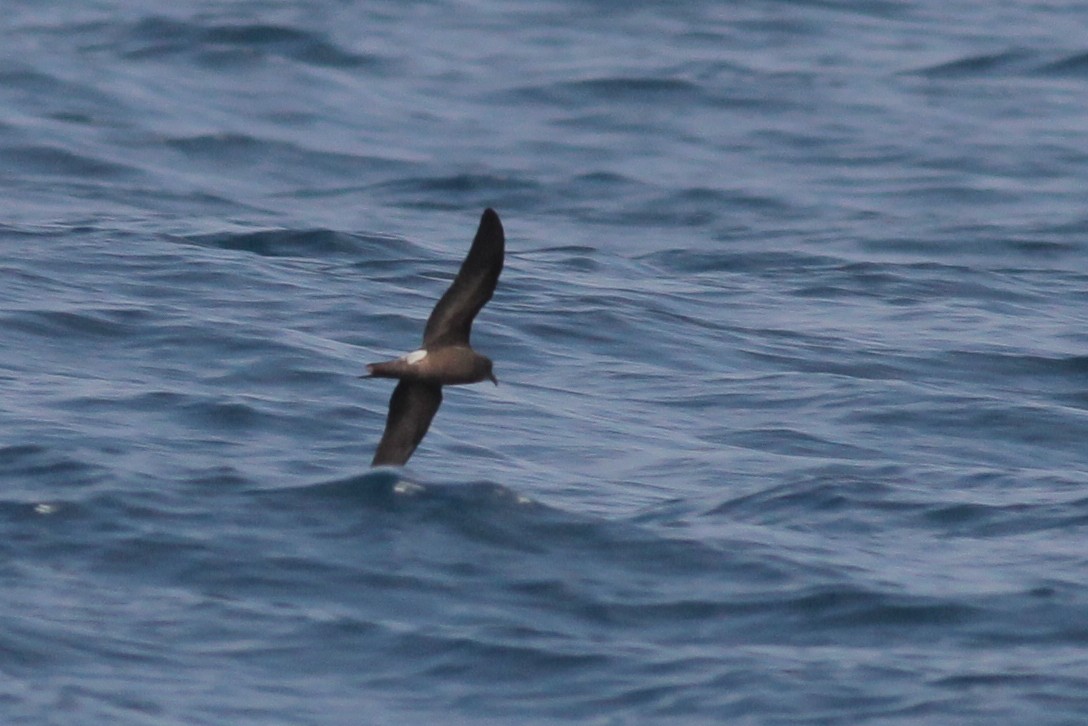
{"x": 490, "y": 223}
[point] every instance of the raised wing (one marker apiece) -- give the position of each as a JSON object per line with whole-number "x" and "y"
{"x": 451, "y": 320}
{"x": 411, "y": 410}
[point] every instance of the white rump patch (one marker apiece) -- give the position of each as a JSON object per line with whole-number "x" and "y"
{"x": 415, "y": 357}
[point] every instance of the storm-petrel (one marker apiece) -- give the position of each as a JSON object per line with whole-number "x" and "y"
{"x": 445, "y": 358}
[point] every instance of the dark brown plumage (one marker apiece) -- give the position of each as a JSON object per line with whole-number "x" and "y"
{"x": 446, "y": 358}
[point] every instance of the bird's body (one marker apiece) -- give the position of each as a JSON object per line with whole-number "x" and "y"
{"x": 449, "y": 365}
{"x": 446, "y": 358}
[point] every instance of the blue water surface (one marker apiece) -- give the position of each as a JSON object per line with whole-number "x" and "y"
{"x": 792, "y": 340}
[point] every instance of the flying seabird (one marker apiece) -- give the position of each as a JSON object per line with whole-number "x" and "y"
{"x": 446, "y": 359}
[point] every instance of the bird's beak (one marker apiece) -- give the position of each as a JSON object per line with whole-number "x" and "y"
{"x": 493, "y": 378}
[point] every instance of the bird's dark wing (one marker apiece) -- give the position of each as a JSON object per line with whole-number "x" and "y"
{"x": 451, "y": 321}
{"x": 411, "y": 409}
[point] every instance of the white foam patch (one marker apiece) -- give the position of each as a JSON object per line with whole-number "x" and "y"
{"x": 406, "y": 488}
{"x": 415, "y": 356}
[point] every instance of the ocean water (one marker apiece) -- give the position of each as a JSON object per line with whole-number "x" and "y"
{"x": 792, "y": 340}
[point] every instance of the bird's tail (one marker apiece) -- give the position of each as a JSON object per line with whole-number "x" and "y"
{"x": 387, "y": 369}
